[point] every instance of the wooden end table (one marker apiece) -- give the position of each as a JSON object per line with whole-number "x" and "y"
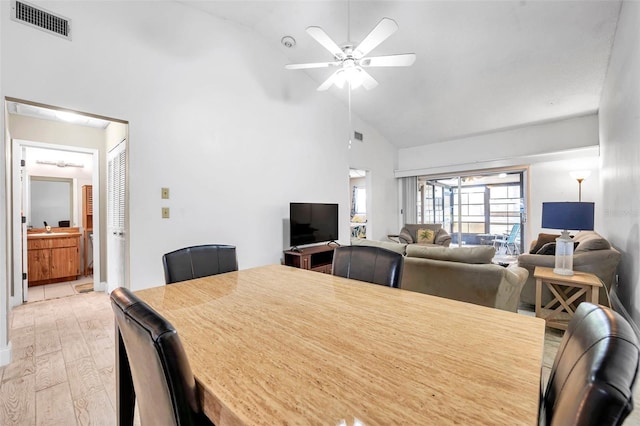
{"x": 567, "y": 290}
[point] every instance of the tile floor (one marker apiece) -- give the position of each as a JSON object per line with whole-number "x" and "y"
{"x": 54, "y": 291}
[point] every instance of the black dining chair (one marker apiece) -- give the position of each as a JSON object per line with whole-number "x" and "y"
{"x": 594, "y": 371}
{"x": 366, "y": 263}
{"x": 156, "y": 364}
{"x": 199, "y": 261}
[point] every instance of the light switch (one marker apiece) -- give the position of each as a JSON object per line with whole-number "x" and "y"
{"x": 165, "y": 193}
{"x": 165, "y": 212}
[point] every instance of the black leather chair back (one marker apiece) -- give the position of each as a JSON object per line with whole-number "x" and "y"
{"x": 163, "y": 382}
{"x": 199, "y": 261}
{"x": 594, "y": 371}
{"x": 371, "y": 264}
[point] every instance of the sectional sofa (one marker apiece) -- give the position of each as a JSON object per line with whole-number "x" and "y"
{"x": 465, "y": 274}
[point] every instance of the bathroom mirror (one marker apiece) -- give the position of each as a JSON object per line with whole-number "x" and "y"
{"x": 51, "y": 200}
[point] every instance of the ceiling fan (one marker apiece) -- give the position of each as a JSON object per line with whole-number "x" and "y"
{"x": 351, "y": 60}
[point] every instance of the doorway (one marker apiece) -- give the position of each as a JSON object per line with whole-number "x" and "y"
{"x": 39, "y": 167}
{"x": 359, "y": 197}
{"x": 64, "y": 133}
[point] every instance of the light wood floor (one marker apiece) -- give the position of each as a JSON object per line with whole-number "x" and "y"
{"x": 63, "y": 363}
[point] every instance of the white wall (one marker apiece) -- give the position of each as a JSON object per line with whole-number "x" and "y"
{"x": 516, "y": 146}
{"x": 212, "y": 115}
{"x": 551, "y": 181}
{"x": 620, "y": 172}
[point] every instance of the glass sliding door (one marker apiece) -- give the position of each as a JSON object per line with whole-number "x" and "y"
{"x": 474, "y": 209}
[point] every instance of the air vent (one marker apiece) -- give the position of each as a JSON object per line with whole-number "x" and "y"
{"x": 358, "y": 136}
{"x": 41, "y": 19}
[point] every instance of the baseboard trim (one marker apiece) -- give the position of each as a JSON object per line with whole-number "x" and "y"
{"x": 5, "y": 355}
{"x": 617, "y": 306}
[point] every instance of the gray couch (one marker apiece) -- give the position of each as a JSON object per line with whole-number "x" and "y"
{"x": 465, "y": 274}
{"x": 593, "y": 254}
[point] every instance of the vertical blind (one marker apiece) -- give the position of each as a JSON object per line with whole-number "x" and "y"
{"x": 410, "y": 199}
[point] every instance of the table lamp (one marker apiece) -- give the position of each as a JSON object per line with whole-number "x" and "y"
{"x": 565, "y": 216}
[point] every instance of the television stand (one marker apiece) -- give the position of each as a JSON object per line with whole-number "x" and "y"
{"x": 315, "y": 258}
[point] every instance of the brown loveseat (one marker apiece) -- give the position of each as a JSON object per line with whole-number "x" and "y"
{"x": 593, "y": 254}
{"x": 409, "y": 234}
{"x": 460, "y": 273}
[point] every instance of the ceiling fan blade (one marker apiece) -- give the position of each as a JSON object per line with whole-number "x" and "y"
{"x": 384, "y": 29}
{"x": 368, "y": 82}
{"x": 311, "y": 65}
{"x": 400, "y": 60}
{"x": 323, "y": 38}
{"x": 328, "y": 82}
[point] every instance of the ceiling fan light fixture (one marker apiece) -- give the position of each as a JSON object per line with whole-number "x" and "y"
{"x": 353, "y": 75}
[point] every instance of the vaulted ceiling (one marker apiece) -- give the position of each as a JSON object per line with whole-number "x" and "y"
{"x": 481, "y": 65}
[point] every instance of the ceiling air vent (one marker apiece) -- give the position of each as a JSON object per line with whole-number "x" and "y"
{"x": 41, "y": 19}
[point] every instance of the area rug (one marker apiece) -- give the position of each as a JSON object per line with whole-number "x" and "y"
{"x": 83, "y": 288}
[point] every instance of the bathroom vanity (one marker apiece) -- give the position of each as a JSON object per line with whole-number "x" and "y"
{"x": 53, "y": 257}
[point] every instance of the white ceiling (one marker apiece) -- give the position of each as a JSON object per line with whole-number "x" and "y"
{"x": 481, "y": 65}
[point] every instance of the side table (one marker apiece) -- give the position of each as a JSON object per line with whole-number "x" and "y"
{"x": 567, "y": 291}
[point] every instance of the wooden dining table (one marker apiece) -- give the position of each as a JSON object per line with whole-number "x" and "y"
{"x": 280, "y": 345}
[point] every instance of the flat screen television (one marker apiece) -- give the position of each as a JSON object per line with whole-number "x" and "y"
{"x": 313, "y": 223}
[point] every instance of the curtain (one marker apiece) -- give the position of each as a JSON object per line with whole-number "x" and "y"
{"x": 410, "y": 199}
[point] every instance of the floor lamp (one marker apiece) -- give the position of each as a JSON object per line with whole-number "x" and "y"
{"x": 565, "y": 216}
{"x": 580, "y": 176}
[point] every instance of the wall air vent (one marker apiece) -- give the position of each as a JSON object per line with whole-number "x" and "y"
{"x": 39, "y": 18}
{"x": 359, "y": 136}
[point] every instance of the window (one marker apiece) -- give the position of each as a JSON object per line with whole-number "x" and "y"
{"x": 472, "y": 208}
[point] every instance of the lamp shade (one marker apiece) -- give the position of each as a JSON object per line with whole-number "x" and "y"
{"x": 568, "y": 215}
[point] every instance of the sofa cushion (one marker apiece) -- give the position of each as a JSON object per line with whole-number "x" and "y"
{"x": 542, "y": 240}
{"x": 594, "y": 243}
{"x": 426, "y": 236}
{"x": 405, "y": 236}
{"x": 473, "y": 255}
{"x": 395, "y": 247}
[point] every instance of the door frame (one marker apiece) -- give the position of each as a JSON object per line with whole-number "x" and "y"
{"x": 20, "y": 292}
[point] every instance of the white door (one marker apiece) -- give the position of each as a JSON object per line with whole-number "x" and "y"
{"x": 116, "y": 204}
{"x": 21, "y": 285}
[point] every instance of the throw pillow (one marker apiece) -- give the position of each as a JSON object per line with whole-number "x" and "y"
{"x": 405, "y": 236}
{"x": 594, "y": 243}
{"x": 542, "y": 240}
{"x": 550, "y": 248}
{"x": 426, "y": 236}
